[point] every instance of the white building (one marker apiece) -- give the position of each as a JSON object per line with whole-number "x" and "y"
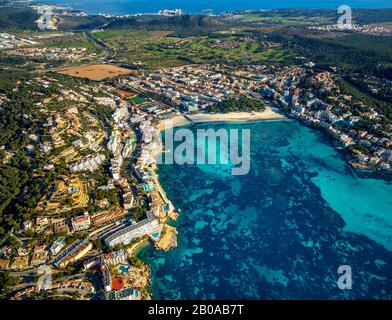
{"x": 57, "y": 246}
{"x": 129, "y": 233}
{"x": 80, "y": 223}
{"x": 115, "y": 258}
{"x": 107, "y": 279}
{"x": 120, "y": 114}
{"x": 106, "y": 101}
{"x": 90, "y": 163}
{"x": 114, "y": 142}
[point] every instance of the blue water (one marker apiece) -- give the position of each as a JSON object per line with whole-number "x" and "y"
{"x": 280, "y": 232}
{"x": 122, "y": 7}
{"x": 124, "y": 269}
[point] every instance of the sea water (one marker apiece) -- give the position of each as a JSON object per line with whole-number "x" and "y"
{"x": 123, "y": 7}
{"x": 280, "y": 232}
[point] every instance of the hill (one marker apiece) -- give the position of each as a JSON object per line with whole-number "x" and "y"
{"x": 23, "y": 18}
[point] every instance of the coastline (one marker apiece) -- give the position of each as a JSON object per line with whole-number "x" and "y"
{"x": 127, "y": 8}
{"x": 163, "y": 269}
{"x": 181, "y": 120}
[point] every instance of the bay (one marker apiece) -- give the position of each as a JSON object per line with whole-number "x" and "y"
{"x": 280, "y": 232}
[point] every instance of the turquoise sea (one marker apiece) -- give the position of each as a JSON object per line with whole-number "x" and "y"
{"x": 122, "y": 7}
{"x": 280, "y": 232}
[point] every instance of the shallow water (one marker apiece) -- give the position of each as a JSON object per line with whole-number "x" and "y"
{"x": 280, "y": 232}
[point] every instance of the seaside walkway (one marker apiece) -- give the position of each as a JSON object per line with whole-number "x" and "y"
{"x": 162, "y": 193}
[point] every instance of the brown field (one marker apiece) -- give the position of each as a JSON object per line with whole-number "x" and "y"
{"x": 126, "y": 94}
{"x": 96, "y": 72}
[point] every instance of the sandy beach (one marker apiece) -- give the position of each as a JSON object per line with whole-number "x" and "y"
{"x": 177, "y": 121}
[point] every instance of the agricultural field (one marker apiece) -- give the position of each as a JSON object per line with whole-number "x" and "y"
{"x": 159, "y": 49}
{"x": 130, "y": 46}
{"x": 96, "y": 72}
{"x": 70, "y": 41}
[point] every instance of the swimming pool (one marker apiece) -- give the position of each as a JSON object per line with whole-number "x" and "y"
{"x": 124, "y": 269}
{"x": 155, "y": 235}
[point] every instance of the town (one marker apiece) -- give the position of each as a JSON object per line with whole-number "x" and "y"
{"x": 378, "y": 30}
{"x": 79, "y": 144}
{"x": 130, "y": 206}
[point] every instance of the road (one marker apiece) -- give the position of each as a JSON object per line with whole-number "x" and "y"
{"x": 110, "y": 52}
{"x": 30, "y": 283}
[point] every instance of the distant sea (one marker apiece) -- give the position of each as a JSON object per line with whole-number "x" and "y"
{"x": 123, "y": 7}
{"x": 280, "y": 232}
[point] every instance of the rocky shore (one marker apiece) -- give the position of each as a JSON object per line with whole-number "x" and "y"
{"x": 168, "y": 238}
